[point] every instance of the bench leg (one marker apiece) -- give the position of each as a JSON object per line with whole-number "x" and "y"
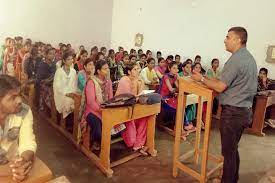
{"x": 105, "y": 146}
{"x": 150, "y": 143}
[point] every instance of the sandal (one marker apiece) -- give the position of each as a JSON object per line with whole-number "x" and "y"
{"x": 188, "y": 127}
{"x": 142, "y": 150}
{"x": 192, "y": 130}
{"x": 95, "y": 146}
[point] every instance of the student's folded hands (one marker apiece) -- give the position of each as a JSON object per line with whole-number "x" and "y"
{"x": 20, "y": 169}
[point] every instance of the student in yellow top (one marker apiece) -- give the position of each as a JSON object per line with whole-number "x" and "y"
{"x": 17, "y": 140}
{"x": 148, "y": 74}
{"x": 214, "y": 72}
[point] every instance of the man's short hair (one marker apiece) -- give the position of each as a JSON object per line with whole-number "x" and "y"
{"x": 8, "y": 83}
{"x": 241, "y": 32}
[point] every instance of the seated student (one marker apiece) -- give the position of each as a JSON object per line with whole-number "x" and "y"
{"x": 186, "y": 69}
{"x": 214, "y": 71}
{"x": 197, "y": 67}
{"x": 121, "y": 66}
{"x": 64, "y": 84}
{"x": 198, "y": 60}
{"x": 69, "y": 48}
{"x": 9, "y": 58}
{"x": 81, "y": 47}
{"x": 140, "y": 52}
{"x": 125, "y": 52}
{"x": 21, "y": 54}
{"x": 112, "y": 65}
{"x": 142, "y": 61}
{"x": 161, "y": 68}
{"x": 2, "y": 53}
{"x": 17, "y": 140}
{"x": 134, "y": 135}
{"x": 60, "y": 51}
{"x": 94, "y": 52}
{"x": 189, "y": 60}
{"x": 177, "y": 60}
{"x": 148, "y": 54}
{"x": 97, "y": 91}
{"x": 264, "y": 82}
{"x": 18, "y": 42}
{"x": 100, "y": 56}
{"x": 32, "y": 63}
{"x": 133, "y": 52}
{"x": 169, "y": 59}
{"x": 148, "y": 74}
{"x": 104, "y": 51}
{"x": 86, "y": 73}
{"x": 119, "y": 54}
{"x": 159, "y": 54}
{"x": 78, "y": 66}
{"x": 168, "y": 89}
{"x": 133, "y": 58}
{"x": 44, "y": 79}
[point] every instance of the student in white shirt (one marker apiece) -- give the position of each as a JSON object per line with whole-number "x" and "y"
{"x": 64, "y": 85}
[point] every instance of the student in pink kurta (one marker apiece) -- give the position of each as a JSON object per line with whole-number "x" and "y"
{"x": 98, "y": 90}
{"x": 135, "y": 133}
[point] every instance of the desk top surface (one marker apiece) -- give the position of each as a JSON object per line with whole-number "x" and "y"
{"x": 123, "y": 114}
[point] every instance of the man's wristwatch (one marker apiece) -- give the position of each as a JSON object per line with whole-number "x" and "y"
{"x": 202, "y": 79}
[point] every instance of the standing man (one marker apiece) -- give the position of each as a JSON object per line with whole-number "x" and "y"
{"x": 237, "y": 88}
{"x": 17, "y": 140}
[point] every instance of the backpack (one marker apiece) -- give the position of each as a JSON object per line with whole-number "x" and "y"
{"x": 120, "y": 101}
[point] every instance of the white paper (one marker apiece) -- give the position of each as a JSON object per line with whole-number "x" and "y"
{"x": 146, "y": 92}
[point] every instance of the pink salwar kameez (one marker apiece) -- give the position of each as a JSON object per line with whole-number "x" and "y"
{"x": 136, "y": 131}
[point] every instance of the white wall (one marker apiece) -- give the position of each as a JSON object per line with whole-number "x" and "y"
{"x": 190, "y": 27}
{"x": 87, "y": 22}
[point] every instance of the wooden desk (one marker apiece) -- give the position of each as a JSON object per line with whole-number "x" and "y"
{"x": 114, "y": 116}
{"x": 40, "y": 173}
{"x": 261, "y": 103}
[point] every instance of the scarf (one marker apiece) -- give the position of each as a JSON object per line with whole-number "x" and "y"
{"x": 101, "y": 89}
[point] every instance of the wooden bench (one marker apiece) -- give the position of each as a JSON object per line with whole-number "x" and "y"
{"x": 112, "y": 117}
{"x": 28, "y": 93}
{"x": 191, "y": 99}
{"x": 40, "y": 173}
{"x": 61, "y": 125}
{"x": 18, "y": 71}
{"x": 261, "y": 104}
